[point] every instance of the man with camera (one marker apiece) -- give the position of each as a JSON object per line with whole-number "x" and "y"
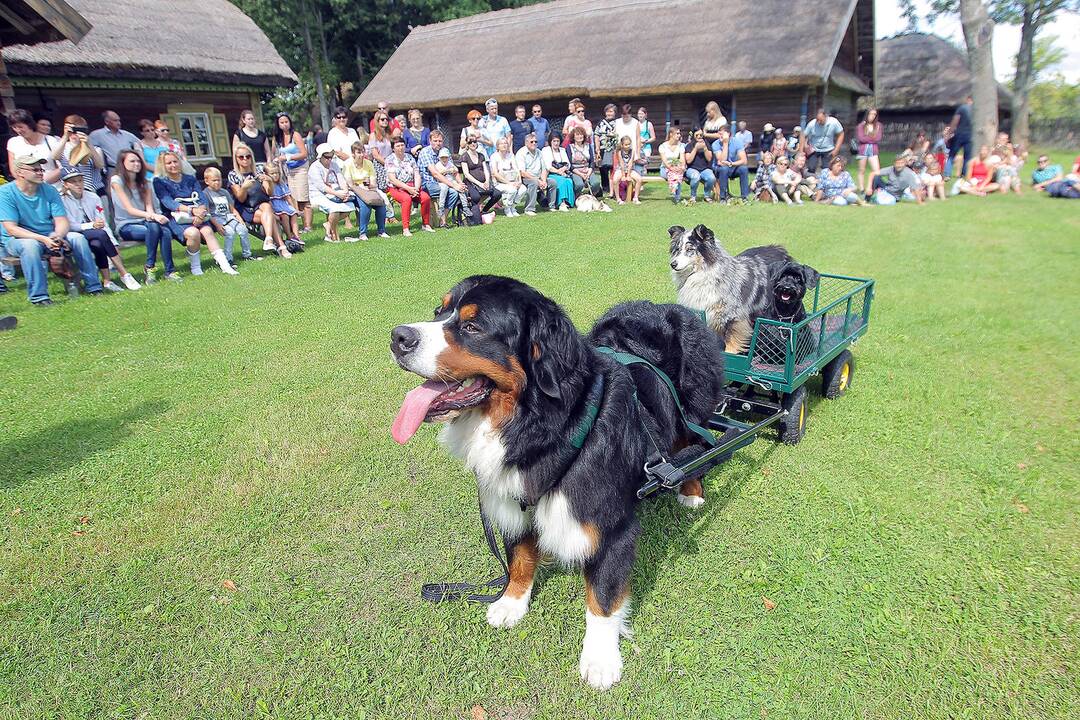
{"x": 35, "y": 226}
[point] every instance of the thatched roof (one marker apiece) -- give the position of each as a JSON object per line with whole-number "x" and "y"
{"x": 919, "y": 71}
{"x": 577, "y": 47}
{"x": 209, "y": 41}
{"x": 37, "y": 21}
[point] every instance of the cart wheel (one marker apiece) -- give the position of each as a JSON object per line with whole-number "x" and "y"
{"x": 836, "y": 376}
{"x": 793, "y": 425}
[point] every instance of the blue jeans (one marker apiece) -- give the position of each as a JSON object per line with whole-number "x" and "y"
{"x": 434, "y": 189}
{"x": 959, "y": 143}
{"x": 724, "y": 175}
{"x": 232, "y": 230}
{"x": 154, "y": 235}
{"x": 31, "y": 254}
{"x": 365, "y": 215}
{"x": 694, "y": 177}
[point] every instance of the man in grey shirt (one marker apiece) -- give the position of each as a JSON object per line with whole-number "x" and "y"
{"x": 822, "y": 139}
{"x": 896, "y": 183}
{"x": 111, "y": 139}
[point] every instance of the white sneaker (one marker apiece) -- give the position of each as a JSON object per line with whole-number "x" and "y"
{"x": 428, "y": 228}
{"x": 362, "y": 238}
{"x": 112, "y": 287}
{"x": 350, "y": 239}
{"x": 268, "y": 245}
{"x": 530, "y": 212}
{"x": 130, "y": 282}
{"x": 384, "y": 235}
{"x": 406, "y": 233}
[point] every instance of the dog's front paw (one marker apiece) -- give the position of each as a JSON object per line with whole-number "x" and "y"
{"x": 600, "y": 666}
{"x": 507, "y": 611}
{"x": 691, "y": 501}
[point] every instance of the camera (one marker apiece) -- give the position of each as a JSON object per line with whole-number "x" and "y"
{"x": 80, "y": 129}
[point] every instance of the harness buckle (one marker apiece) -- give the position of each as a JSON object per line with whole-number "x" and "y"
{"x": 664, "y": 474}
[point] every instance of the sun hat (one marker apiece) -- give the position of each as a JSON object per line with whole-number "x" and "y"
{"x": 445, "y": 152}
{"x": 323, "y": 149}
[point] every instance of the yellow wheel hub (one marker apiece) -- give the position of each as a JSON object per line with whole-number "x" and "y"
{"x": 845, "y": 375}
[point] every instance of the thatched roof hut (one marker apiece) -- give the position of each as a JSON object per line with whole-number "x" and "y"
{"x": 36, "y": 21}
{"x": 920, "y": 73}
{"x": 687, "y": 51}
{"x": 187, "y": 40}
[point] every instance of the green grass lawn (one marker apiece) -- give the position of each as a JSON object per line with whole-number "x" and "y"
{"x": 203, "y": 515}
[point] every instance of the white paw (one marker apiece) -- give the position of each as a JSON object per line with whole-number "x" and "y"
{"x": 599, "y": 666}
{"x": 691, "y": 501}
{"x": 506, "y": 612}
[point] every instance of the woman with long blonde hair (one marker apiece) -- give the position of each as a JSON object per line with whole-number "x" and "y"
{"x": 189, "y": 218}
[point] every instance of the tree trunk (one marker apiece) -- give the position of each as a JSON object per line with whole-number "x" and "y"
{"x": 316, "y": 71}
{"x": 1024, "y": 77}
{"x": 979, "y": 35}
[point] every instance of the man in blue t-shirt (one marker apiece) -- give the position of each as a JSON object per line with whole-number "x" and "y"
{"x": 822, "y": 139}
{"x": 519, "y": 128}
{"x": 959, "y": 137}
{"x": 729, "y": 160}
{"x": 541, "y": 126}
{"x": 34, "y": 223}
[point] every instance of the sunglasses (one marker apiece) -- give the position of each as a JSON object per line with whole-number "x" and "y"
{"x": 341, "y": 117}
{"x": 243, "y": 157}
{"x": 531, "y": 142}
{"x": 470, "y": 142}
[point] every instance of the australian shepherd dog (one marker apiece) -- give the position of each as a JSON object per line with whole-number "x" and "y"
{"x": 730, "y": 290}
{"x": 511, "y": 379}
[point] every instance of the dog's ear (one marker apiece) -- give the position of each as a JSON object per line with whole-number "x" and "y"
{"x": 676, "y": 231}
{"x": 810, "y": 276}
{"x": 704, "y": 234}
{"x": 552, "y": 347}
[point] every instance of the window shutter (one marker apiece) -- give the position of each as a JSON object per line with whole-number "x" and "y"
{"x": 219, "y": 131}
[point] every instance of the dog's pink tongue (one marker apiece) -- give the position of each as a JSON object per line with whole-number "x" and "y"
{"x": 414, "y": 409}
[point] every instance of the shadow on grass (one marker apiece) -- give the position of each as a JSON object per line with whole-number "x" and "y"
{"x": 65, "y": 445}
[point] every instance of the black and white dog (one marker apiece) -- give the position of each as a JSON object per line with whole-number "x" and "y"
{"x": 511, "y": 377}
{"x": 731, "y": 290}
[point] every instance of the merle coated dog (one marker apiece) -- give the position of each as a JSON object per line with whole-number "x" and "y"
{"x": 511, "y": 378}
{"x": 730, "y": 290}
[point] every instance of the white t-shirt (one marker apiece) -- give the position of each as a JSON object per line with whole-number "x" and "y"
{"x": 17, "y": 146}
{"x": 342, "y": 141}
{"x": 631, "y": 130}
{"x": 505, "y": 166}
{"x": 669, "y": 154}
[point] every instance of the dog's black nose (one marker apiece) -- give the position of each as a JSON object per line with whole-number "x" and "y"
{"x": 674, "y": 265}
{"x": 403, "y": 340}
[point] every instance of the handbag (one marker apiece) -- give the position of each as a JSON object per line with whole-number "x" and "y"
{"x": 854, "y": 145}
{"x": 60, "y": 262}
{"x": 369, "y": 196}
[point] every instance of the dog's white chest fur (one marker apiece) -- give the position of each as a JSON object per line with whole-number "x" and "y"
{"x": 471, "y": 438}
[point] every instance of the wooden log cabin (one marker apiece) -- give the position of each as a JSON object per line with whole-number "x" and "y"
{"x": 760, "y": 63}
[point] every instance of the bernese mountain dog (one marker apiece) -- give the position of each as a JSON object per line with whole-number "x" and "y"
{"x": 511, "y": 379}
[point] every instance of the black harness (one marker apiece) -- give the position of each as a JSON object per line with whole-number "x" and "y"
{"x": 657, "y": 464}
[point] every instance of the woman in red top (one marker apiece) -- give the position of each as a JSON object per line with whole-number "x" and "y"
{"x": 980, "y": 176}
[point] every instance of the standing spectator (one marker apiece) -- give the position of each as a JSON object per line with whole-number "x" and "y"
{"x": 151, "y": 146}
{"x": 698, "y": 158}
{"x": 577, "y": 120}
{"x": 379, "y": 149}
{"x": 75, "y": 152}
{"x": 472, "y": 129}
{"x": 392, "y": 124}
{"x": 249, "y": 133}
{"x": 416, "y": 135}
{"x": 582, "y": 161}
{"x": 604, "y": 139}
{"x": 835, "y": 186}
{"x": 330, "y": 193}
{"x": 136, "y": 219}
{"x": 541, "y": 126}
{"x": 341, "y": 136}
{"x": 43, "y": 124}
{"x": 1045, "y": 173}
{"x": 291, "y": 152}
{"x": 247, "y": 181}
{"x": 530, "y": 164}
{"x": 474, "y": 169}
{"x": 224, "y": 217}
{"x": 730, "y": 160}
{"x": 794, "y": 141}
{"x": 318, "y": 137}
{"x": 822, "y": 140}
{"x": 35, "y": 223}
{"x": 111, "y": 139}
{"x": 438, "y": 180}
{"x": 673, "y": 162}
{"x": 360, "y": 178}
{"x": 868, "y": 135}
{"x": 557, "y": 174}
{"x": 26, "y": 140}
{"x": 895, "y": 183}
{"x": 507, "y": 177}
{"x": 648, "y": 137}
{"x": 959, "y": 137}
{"x": 492, "y": 127}
{"x": 765, "y": 141}
{"x": 86, "y": 219}
{"x": 403, "y": 177}
{"x": 179, "y": 196}
{"x": 779, "y": 144}
{"x": 744, "y": 136}
{"x": 628, "y": 126}
{"x": 519, "y": 128}
{"x": 173, "y": 145}
{"x": 714, "y": 120}
{"x": 569, "y": 120}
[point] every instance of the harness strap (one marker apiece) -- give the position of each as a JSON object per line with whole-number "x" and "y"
{"x": 439, "y": 592}
{"x": 628, "y": 359}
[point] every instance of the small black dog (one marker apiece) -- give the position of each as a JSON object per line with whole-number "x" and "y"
{"x": 788, "y": 283}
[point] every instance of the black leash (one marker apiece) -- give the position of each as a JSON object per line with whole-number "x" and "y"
{"x": 439, "y": 592}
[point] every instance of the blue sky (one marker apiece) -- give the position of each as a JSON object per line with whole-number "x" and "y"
{"x": 1006, "y": 37}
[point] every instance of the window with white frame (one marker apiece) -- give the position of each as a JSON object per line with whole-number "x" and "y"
{"x": 195, "y": 135}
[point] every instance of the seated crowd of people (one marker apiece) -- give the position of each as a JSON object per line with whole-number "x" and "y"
{"x": 79, "y": 195}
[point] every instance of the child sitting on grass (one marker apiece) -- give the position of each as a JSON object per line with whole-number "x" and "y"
{"x": 282, "y": 203}
{"x": 931, "y": 179}
{"x": 786, "y": 182}
{"x": 224, "y": 217}
{"x": 762, "y": 188}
